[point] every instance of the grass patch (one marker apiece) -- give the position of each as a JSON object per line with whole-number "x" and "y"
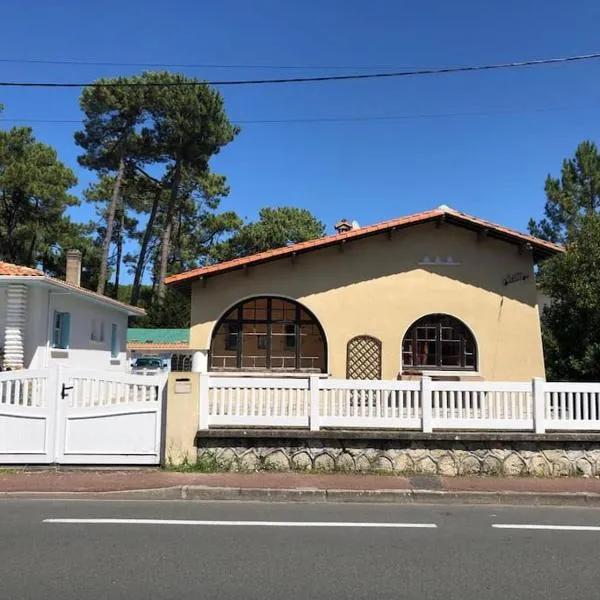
{"x": 204, "y": 464}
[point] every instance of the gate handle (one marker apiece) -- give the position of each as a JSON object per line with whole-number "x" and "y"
{"x": 65, "y": 389}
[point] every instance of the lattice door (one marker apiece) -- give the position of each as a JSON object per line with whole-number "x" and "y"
{"x": 363, "y": 359}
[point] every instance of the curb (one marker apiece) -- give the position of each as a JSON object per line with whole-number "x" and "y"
{"x": 321, "y": 496}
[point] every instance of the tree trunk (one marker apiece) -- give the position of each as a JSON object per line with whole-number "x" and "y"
{"x": 141, "y": 263}
{"x": 119, "y": 249}
{"x": 166, "y": 236}
{"x": 109, "y": 227}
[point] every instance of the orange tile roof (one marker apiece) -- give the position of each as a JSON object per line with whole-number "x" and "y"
{"x": 541, "y": 248}
{"x": 10, "y": 270}
{"x": 151, "y": 346}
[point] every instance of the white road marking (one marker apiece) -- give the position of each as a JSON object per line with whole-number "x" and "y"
{"x": 549, "y": 527}
{"x": 241, "y": 523}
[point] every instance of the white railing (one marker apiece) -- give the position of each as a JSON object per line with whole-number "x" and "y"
{"x": 23, "y": 388}
{"x": 481, "y": 405}
{"x": 96, "y": 388}
{"x": 572, "y": 406}
{"x": 425, "y": 405}
{"x": 257, "y": 401}
{"x": 381, "y": 404}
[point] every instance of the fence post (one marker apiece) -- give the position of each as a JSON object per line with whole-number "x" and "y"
{"x": 426, "y": 405}
{"x": 539, "y": 405}
{"x": 203, "y": 399}
{"x": 313, "y": 386}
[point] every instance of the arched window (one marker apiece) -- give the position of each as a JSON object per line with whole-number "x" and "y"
{"x": 439, "y": 342}
{"x": 268, "y": 334}
{"x": 363, "y": 358}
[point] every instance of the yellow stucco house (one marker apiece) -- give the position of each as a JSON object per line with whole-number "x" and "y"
{"x": 438, "y": 293}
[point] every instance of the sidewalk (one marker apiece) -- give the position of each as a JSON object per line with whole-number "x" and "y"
{"x": 157, "y": 484}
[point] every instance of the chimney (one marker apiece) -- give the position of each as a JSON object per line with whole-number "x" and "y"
{"x": 343, "y": 226}
{"x": 73, "y": 267}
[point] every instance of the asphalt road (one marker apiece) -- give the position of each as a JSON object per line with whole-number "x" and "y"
{"x": 328, "y": 552}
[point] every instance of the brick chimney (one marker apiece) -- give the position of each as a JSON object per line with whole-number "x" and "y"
{"x": 73, "y": 267}
{"x": 343, "y": 226}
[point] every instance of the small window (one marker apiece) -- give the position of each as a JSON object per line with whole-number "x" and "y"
{"x": 439, "y": 342}
{"x": 114, "y": 341}
{"x": 61, "y": 330}
{"x": 97, "y": 330}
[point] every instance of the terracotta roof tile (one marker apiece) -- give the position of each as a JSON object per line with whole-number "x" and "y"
{"x": 541, "y": 248}
{"x": 147, "y": 346}
{"x": 8, "y": 269}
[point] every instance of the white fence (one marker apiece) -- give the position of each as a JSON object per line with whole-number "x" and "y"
{"x": 27, "y": 420}
{"x": 315, "y": 403}
{"x": 68, "y": 416}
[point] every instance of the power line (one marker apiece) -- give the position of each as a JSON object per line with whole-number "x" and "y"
{"x": 237, "y": 82}
{"x": 506, "y": 112}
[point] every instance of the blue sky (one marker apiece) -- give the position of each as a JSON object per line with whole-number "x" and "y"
{"x": 482, "y": 143}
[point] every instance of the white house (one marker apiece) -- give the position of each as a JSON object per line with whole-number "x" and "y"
{"x": 46, "y": 321}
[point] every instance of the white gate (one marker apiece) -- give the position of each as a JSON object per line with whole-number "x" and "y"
{"x": 69, "y": 416}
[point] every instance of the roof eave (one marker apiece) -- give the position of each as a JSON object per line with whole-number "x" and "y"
{"x": 131, "y": 311}
{"x": 540, "y": 252}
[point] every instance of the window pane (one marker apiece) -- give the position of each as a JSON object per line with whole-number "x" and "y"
{"x": 114, "y": 341}
{"x": 254, "y": 347}
{"x": 426, "y": 356}
{"x": 312, "y": 348}
{"x": 283, "y": 355}
{"x": 249, "y": 311}
{"x": 261, "y": 309}
{"x": 224, "y": 348}
{"x": 231, "y": 331}
{"x": 232, "y": 315}
{"x": 448, "y": 333}
{"x": 451, "y": 354}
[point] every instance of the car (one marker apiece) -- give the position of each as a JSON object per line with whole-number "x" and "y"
{"x": 147, "y": 365}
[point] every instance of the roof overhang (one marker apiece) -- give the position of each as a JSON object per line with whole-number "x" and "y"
{"x": 540, "y": 249}
{"x": 66, "y": 288}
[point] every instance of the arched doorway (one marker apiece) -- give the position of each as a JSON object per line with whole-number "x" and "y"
{"x": 268, "y": 333}
{"x": 439, "y": 342}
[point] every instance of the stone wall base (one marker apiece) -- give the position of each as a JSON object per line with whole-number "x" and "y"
{"x": 403, "y": 457}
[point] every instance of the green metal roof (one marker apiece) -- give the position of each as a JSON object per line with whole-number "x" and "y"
{"x": 157, "y": 336}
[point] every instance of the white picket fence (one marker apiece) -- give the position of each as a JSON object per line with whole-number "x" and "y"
{"x": 316, "y": 403}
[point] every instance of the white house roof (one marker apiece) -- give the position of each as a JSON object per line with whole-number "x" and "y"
{"x": 10, "y": 273}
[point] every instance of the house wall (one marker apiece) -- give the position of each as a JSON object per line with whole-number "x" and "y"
{"x": 83, "y": 352}
{"x": 376, "y": 286}
{"x": 36, "y": 328}
{"x": 3, "y": 301}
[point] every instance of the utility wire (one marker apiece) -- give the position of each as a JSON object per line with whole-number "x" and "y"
{"x": 507, "y": 112}
{"x": 237, "y": 82}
